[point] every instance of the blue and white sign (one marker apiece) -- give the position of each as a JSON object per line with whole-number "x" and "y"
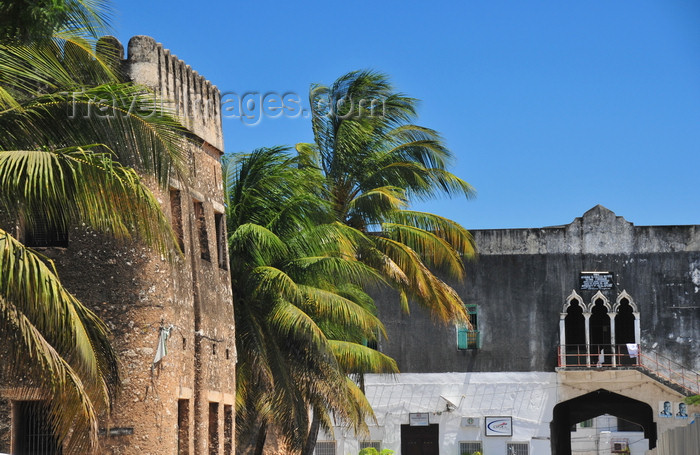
{"x": 499, "y": 426}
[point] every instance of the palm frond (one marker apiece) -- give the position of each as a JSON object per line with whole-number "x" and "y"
{"x": 79, "y": 185}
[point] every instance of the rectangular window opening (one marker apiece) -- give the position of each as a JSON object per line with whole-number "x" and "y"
{"x": 201, "y": 222}
{"x": 518, "y": 448}
{"x": 213, "y": 428}
{"x": 42, "y": 232}
{"x": 325, "y": 448}
{"x": 221, "y": 244}
{"x": 176, "y": 218}
{"x": 469, "y": 447}
{"x": 32, "y": 432}
{"x": 228, "y": 430}
{"x": 183, "y": 427}
{"x": 469, "y": 338}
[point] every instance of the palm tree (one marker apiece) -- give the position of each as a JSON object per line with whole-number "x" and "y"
{"x": 374, "y": 163}
{"x": 300, "y": 315}
{"x": 65, "y": 170}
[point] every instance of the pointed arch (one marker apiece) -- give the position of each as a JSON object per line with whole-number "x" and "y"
{"x": 573, "y": 296}
{"x": 597, "y": 403}
{"x": 599, "y": 296}
{"x": 624, "y": 296}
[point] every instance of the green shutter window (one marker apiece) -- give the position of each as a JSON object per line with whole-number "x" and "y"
{"x": 469, "y": 338}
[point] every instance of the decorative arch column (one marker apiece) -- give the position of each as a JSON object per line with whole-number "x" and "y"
{"x": 572, "y": 340}
{"x": 624, "y": 309}
{"x": 598, "y": 321}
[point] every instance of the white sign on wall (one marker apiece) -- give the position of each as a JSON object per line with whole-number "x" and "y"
{"x": 419, "y": 419}
{"x": 498, "y": 426}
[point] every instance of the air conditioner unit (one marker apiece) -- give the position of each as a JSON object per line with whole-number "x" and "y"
{"x": 470, "y": 421}
{"x": 619, "y": 446}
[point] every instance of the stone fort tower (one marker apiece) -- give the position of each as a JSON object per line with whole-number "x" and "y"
{"x": 184, "y": 402}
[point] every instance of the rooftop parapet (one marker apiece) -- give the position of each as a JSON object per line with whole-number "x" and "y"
{"x": 196, "y": 100}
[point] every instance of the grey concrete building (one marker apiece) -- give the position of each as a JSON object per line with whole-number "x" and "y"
{"x": 598, "y": 317}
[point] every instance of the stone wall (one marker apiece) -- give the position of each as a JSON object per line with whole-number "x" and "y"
{"x": 138, "y": 293}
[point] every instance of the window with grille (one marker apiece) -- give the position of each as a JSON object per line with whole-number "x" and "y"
{"x": 32, "y": 431}
{"x": 469, "y": 338}
{"x": 587, "y": 423}
{"x": 366, "y": 444}
{"x": 517, "y": 448}
{"x": 325, "y": 448}
{"x": 469, "y": 447}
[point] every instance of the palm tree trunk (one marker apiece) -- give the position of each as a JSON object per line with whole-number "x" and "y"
{"x": 313, "y": 435}
{"x": 260, "y": 441}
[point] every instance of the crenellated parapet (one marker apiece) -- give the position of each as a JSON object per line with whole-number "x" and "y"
{"x": 195, "y": 100}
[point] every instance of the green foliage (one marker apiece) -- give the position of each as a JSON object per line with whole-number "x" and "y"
{"x": 70, "y": 169}
{"x": 300, "y": 312}
{"x": 692, "y": 400}
{"x": 29, "y": 21}
{"x": 310, "y": 232}
{"x": 374, "y": 163}
{"x": 373, "y": 451}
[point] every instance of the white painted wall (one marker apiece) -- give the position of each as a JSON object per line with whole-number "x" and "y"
{"x": 527, "y": 397}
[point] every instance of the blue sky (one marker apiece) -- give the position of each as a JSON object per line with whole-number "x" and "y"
{"x": 549, "y": 107}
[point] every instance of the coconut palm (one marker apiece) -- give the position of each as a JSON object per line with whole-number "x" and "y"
{"x": 300, "y": 315}
{"x": 61, "y": 163}
{"x": 375, "y": 163}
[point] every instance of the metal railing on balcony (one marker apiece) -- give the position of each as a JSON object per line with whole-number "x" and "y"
{"x": 599, "y": 355}
{"x": 629, "y": 355}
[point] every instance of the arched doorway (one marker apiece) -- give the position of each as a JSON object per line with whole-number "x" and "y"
{"x": 592, "y": 405}
{"x": 626, "y": 330}
{"x": 575, "y": 334}
{"x": 601, "y": 343}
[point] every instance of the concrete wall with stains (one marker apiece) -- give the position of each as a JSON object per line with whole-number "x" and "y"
{"x": 520, "y": 282}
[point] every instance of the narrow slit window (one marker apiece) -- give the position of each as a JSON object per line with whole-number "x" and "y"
{"x": 176, "y": 217}
{"x": 213, "y": 428}
{"x": 201, "y": 222}
{"x": 220, "y": 225}
{"x": 228, "y": 430}
{"x": 183, "y": 427}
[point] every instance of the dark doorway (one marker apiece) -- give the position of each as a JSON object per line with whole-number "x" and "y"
{"x": 32, "y": 431}
{"x": 624, "y": 332}
{"x": 575, "y": 335}
{"x": 600, "y": 334}
{"x": 592, "y": 405}
{"x": 420, "y": 440}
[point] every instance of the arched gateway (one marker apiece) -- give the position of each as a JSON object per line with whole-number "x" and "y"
{"x": 592, "y": 405}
